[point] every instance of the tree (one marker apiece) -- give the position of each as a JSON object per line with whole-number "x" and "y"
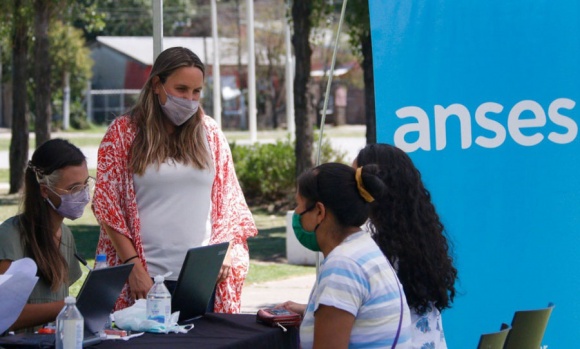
{"x": 70, "y": 56}
{"x": 357, "y": 17}
{"x": 19, "y": 141}
{"x": 270, "y": 36}
{"x": 17, "y": 15}
{"x": 305, "y": 15}
{"x": 135, "y": 18}
{"x": 42, "y": 13}
{"x": 301, "y": 18}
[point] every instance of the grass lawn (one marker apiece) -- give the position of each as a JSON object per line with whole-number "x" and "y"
{"x": 267, "y": 250}
{"x": 89, "y": 137}
{"x": 4, "y": 175}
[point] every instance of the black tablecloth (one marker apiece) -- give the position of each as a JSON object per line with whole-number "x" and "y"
{"x": 215, "y": 331}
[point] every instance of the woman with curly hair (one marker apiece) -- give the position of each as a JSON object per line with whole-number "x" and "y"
{"x": 407, "y": 229}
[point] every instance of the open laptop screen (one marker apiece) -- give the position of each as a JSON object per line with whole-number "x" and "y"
{"x": 98, "y": 295}
{"x": 95, "y": 301}
{"x": 197, "y": 280}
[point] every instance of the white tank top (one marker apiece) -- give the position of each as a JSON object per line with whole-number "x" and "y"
{"x": 174, "y": 203}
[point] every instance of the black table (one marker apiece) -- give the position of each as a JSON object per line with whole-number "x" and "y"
{"x": 215, "y": 330}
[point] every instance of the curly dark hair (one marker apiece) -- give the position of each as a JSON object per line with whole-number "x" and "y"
{"x": 406, "y": 227}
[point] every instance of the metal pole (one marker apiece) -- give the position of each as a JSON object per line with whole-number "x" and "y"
{"x": 217, "y": 90}
{"x": 251, "y": 73}
{"x": 329, "y": 83}
{"x": 2, "y": 121}
{"x": 331, "y": 74}
{"x": 89, "y": 102}
{"x": 66, "y": 102}
{"x": 289, "y": 81}
{"x": 157, "y": 28}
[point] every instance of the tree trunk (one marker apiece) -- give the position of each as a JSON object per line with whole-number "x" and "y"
{"x": 19, "y": 141}
{"x": 42, "y": 71}
{"x": 301, "y": 12}
{"x": 367, "y": 65}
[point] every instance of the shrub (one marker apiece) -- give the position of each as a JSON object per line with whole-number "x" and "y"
{"x": 266, "y": 172}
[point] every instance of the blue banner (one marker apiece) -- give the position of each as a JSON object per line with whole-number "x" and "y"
{"x": 483, "y": 96}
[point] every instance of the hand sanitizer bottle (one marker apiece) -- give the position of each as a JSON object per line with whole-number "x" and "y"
{"x": 159, "y": 302}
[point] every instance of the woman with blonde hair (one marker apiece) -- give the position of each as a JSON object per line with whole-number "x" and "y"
{"x": 166, "y": 183}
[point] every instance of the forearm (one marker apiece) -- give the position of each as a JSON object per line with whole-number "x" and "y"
{"x": 139, "y": 280}
{"x": 37, "y": 314}
{"x": 122, "y": 244}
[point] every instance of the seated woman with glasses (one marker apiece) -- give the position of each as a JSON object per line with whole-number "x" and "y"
{"x": 57, "y": 186}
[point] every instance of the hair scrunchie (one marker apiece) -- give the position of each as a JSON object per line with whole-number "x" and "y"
{"x": 39, "y": 173}
{"x": 361, "y": 189}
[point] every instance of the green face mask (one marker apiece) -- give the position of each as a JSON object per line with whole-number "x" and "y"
{"x": 306, "y": 238}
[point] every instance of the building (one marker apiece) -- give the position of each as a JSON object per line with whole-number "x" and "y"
{"x": 122, "y": 65}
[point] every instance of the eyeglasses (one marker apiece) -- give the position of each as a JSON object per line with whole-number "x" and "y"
{"x": 89, "y": 183}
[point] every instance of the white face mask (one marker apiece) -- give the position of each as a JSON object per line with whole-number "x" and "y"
{"x": 72, "y": 205}
{"x": 178, "y": 110}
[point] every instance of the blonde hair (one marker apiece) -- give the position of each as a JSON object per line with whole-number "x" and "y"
{"x": 152, "y": 144}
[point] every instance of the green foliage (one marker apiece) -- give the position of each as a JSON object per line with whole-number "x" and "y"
{"x": 359, "y": 24}
{"x": 135, "y": 17}
{"x": 68, "y": 53}
{"x": 5, "y": 32}
{"x": 70, "y": 56}
{"x": 266, "y": 171}
{"x": 85, "y": 16}
{"x": 327, "y": 153}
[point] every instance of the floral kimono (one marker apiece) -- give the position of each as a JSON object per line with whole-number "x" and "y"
{"x": 115, "y": 205}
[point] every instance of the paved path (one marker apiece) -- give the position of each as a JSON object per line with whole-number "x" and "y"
{"x": 268, "y": 294}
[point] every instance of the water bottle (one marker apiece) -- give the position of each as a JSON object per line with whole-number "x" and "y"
{"x": 159, "y": 302}
{"x": 101, "y": 261}
{"x": 69, "y": 326}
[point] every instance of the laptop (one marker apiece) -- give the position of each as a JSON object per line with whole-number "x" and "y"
{"x": 98, "y": 295}
{"x": 197, "y": 280}
{"x": 95, "y": 301}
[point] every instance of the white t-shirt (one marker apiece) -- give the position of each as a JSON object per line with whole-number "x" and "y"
{"x": 174, "y": 203}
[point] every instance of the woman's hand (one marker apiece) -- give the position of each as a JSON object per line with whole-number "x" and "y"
{"x": 293, "y": 306}
{"x": 226, "y": 268}
{"x": 139, "y": 281}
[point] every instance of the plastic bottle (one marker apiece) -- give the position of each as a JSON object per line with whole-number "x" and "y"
{"x": 101, "y": 261}
{"x": 69, "y": 326}
{"x": 159, "y": 302}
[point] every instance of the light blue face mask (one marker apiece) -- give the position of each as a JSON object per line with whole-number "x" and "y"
{"x": 178, "y": 110}
{"x": 306, "y": 238}
{"x": 134, "y": 318}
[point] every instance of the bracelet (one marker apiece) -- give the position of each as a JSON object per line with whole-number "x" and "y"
{"x": 130, "y": 259}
